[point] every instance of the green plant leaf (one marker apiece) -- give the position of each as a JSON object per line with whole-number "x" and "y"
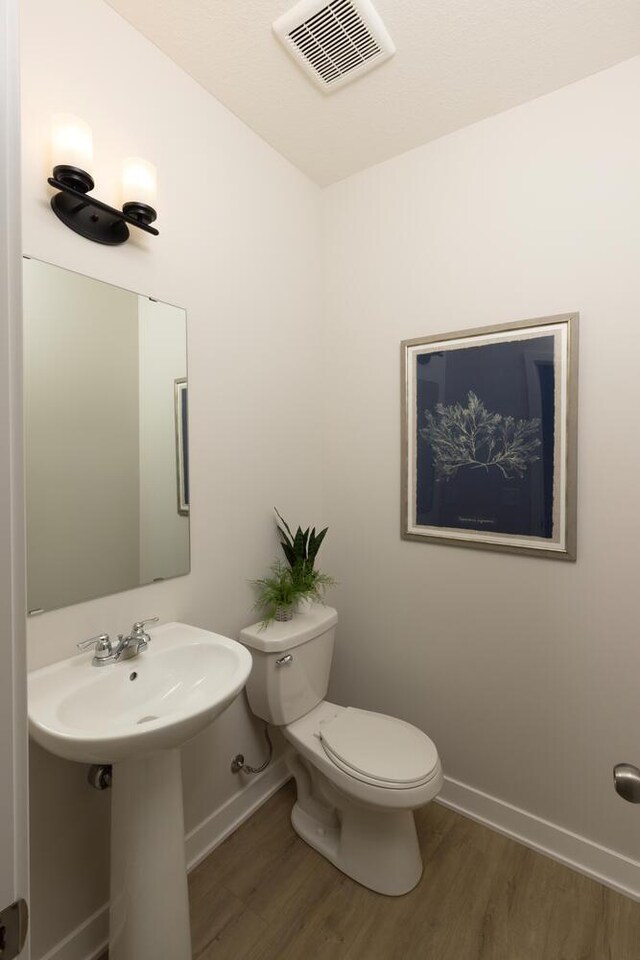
{"x": 315, "y": 546}
{"x": 288, "y": 552}
{"x": 298, "y": 544}
{"x": 283, "y": 525}
{"x": 300, "y": 550}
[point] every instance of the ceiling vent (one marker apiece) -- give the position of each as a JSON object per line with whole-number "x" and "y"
{"x": 336, "y": 42}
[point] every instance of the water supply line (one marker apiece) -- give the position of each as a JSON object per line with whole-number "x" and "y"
{"x": 238, "y": 764}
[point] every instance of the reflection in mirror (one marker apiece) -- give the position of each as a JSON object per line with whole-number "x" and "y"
{"x": 106, "y": 442}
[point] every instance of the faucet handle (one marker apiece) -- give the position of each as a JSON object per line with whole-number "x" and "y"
{"x": 102, "y": 642}
{"x": 139, "y": 625}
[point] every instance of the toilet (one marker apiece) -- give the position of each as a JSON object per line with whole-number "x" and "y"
{"x": 359, "y": 775}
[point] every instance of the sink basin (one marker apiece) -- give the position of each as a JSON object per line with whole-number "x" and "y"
{"x": 155, "y": 701}
{"x": 135, "y": 715}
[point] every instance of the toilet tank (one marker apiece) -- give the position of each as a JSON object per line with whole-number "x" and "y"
{"x": 291, "y": 664}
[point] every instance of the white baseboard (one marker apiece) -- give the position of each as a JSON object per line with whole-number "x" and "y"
{"x": 606, "y": 866}
{"x": 87, "y": 941}
{"x": 90, "y": 939}
{"x": 222, "y": 822}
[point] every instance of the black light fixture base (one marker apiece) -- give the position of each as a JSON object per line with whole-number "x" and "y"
{"x": 139, "y": 211}
{"x": 73, "y": 177}
{"x": 90, "y": 217}
{"x": 88, "y": 221}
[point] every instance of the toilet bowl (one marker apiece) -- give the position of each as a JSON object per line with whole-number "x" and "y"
{"x": 359, "y": 775}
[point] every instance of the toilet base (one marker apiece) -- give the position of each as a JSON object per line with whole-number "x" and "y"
{"x": 377, "y": 848}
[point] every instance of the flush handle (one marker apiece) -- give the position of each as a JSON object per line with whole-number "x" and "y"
{"x": 284, "y": 661}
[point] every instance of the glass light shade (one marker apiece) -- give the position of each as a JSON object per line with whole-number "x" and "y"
{"x": 139, "y": 182}
{"x": 71, "y": 142}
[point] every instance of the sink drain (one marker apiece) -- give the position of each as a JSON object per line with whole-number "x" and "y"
{"x": 147, "y": 719}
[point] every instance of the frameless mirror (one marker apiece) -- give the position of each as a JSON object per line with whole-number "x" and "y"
{"x": 106, "y": 438}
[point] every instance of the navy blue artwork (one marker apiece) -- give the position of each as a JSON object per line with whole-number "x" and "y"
{"x": 485, "y": 444}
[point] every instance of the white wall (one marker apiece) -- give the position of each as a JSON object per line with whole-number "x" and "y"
{"x": 239, "y": 249}
{"x": 164, "y": 533}
{"x": 524, "y": 671}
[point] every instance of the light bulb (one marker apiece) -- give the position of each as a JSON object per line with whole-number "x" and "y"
{"x": 139, "y": 182}
{"x": 71, "y": 142}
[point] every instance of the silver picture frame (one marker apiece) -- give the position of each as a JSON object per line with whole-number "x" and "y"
{"x": 516, "y": 454}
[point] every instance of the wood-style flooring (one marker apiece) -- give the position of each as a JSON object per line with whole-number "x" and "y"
{"x": 265, "y": 895}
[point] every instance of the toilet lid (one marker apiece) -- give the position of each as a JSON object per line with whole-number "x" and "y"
{"x": 379, "y": 748}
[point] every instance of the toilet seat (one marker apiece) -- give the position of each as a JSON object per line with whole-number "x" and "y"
{"x": 380, "y": 750}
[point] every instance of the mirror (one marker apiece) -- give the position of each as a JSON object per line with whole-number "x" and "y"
{"x": 106, "y": 438}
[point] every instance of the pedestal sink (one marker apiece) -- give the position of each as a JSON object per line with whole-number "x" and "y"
{"x": 135, "y": 714}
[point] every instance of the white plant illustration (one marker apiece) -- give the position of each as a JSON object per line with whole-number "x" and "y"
{"x": 472, "y": 436}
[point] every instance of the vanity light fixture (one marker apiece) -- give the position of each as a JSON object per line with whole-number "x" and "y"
{"x": 72, "y": 150}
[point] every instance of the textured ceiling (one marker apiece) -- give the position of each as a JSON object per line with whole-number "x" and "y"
{"x": 457, "y": 61}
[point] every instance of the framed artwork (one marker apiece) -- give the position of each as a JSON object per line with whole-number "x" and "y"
{"x": 489, "y": 445}
{"x": 181, "y": 396}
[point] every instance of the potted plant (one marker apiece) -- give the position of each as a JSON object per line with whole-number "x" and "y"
{"x": 291, "y": 584}
{"x": 300, "y": 550}
{"x": 278, "y": 593}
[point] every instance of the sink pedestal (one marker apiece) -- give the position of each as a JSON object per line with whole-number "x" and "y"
{"x": 149, "y": 917}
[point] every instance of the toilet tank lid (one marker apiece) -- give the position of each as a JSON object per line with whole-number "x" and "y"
{"x": 278, "y": 636}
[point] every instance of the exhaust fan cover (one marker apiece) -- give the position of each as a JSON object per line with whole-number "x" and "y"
{"x": 336, "y": 42}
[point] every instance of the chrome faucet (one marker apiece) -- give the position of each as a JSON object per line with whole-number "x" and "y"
{"x": 130, "y": 646}
{"x": 136, "y": 641}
